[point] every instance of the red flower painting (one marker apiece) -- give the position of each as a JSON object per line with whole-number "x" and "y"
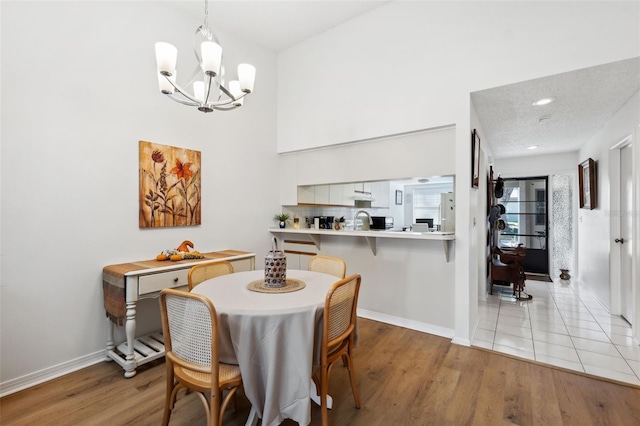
{"x": 168, "y": 199}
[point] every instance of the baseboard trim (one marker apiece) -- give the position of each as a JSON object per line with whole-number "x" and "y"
{"x": 50, "y": 373}
{"x": 406, "y": 323}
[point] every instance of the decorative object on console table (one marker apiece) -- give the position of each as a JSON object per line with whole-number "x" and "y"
{"x": 181, "y": 253}
{"x": 475, "y": 159}
{"x": 587, "y": 182}
{"x": 282, "y": 219}
{"x": 398, "y": 197}
{"x": 170, "y": 190}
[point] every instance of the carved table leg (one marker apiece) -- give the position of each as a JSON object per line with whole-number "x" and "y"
{"x": 130, "y": 329}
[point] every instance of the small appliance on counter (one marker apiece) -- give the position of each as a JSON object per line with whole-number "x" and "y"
{"x": 324, "y": 222}
{"x": 381, "y": 222}
{"x": 423, "y": 225}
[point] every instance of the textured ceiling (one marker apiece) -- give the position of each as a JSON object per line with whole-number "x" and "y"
{"x": 586, "y": 99}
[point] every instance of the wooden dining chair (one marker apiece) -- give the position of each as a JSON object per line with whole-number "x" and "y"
{"x": 328, "y": 265}
{"x": 204, "y": 271}
{"x": 338, "y": 332}
{"x": 190, "y": 328}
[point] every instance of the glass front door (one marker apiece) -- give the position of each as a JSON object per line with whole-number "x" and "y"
{"x": 525, "y": 213}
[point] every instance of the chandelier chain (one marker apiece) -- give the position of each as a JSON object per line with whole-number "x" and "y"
{"x": 207, "y": 31}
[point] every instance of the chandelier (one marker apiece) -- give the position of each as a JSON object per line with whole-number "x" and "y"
{"x": 208, "y": 79}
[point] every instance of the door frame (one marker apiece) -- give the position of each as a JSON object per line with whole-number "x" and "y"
{"x": 615, "y": 258}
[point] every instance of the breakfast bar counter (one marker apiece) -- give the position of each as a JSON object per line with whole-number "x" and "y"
{"x": 316, "y": 236}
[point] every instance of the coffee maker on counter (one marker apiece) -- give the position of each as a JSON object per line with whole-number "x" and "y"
{"x": 325, "y": 222}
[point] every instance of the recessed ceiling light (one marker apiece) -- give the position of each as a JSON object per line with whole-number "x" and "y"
{"x": 543, "y": 101}
{"x": 532, "y": 147}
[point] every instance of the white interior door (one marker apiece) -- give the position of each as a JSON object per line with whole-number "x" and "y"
{"x": 624, "y": 239}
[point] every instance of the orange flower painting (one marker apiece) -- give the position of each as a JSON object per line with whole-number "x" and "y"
{"x": 170, "y": 190}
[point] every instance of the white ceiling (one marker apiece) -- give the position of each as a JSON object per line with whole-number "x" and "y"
{"x": 277, "y": 24}
{"x": 585, "y": 99}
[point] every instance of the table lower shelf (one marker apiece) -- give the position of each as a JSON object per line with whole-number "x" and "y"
{"x": 145, "y": 349}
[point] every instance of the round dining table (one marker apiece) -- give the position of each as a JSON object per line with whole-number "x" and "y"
{"x": 273, "y": 337}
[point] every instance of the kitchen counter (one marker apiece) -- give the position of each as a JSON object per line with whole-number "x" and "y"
{"x": 371, "y": 236}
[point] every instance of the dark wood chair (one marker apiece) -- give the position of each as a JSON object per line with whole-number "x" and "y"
{"x": 506, "y": 269}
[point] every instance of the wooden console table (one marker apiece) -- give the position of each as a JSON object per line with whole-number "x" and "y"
{"x": 124, "y": 284}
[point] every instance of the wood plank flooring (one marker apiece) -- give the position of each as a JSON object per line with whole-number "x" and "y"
{"x": 405, "y": 377}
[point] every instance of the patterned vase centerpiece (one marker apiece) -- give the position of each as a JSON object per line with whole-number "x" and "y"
{"x": 275, "y": 267}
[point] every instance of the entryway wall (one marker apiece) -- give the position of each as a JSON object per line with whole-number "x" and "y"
{"x": 595, "y": 234}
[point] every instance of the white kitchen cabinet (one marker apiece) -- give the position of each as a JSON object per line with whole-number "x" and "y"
{"x": 380, "y": 194}
{"x": 348, "y": 194}
{"x": 306, "y": 194}
{"x": 321, "y": 194}
{"x": 344, "y": 194}
{"x": 341, "y": 194}
{"x": 362, "y": 186}
{"x": 336, "y": 195}
{"x": 288, "y": 178}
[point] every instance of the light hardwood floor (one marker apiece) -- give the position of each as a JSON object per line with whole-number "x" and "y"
{"x": 405, "y": 378}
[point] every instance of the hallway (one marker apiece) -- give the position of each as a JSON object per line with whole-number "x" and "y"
{"x": 563, "y": 325}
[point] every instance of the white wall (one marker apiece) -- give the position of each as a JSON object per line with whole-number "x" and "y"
{"x": 402, "y": 66}
{"x": 412, "y": 65}
{"x": 594, "y": 226}
{"x": 479, "y": 197}
{"x": 407, "y": 282}
{"x": 79, "y": 90}
{"x": 427, "y": 153}
{"x": 536, "y": 165}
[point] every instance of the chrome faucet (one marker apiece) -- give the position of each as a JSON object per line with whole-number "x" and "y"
{"x": 366, "y": 225}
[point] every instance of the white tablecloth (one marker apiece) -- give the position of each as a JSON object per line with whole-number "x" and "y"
{"x": 271, "y": 337}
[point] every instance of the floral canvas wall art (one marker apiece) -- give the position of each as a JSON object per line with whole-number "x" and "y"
{"x": 170, "y": 186}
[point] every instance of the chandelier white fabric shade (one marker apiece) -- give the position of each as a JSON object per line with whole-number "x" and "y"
{"x": 208, "y": 84}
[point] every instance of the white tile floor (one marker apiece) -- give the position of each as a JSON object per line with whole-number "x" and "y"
{"x": 563, "y": 325}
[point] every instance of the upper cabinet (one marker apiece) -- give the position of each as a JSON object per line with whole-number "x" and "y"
{"x": 321, "y": 194}
{"x": 345, "y": 194}
{"x": 306, "y": 194}
{"x": 326, "y": 195}
{"x": 341, "y": 194}
{"x": 380, "y": 194}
